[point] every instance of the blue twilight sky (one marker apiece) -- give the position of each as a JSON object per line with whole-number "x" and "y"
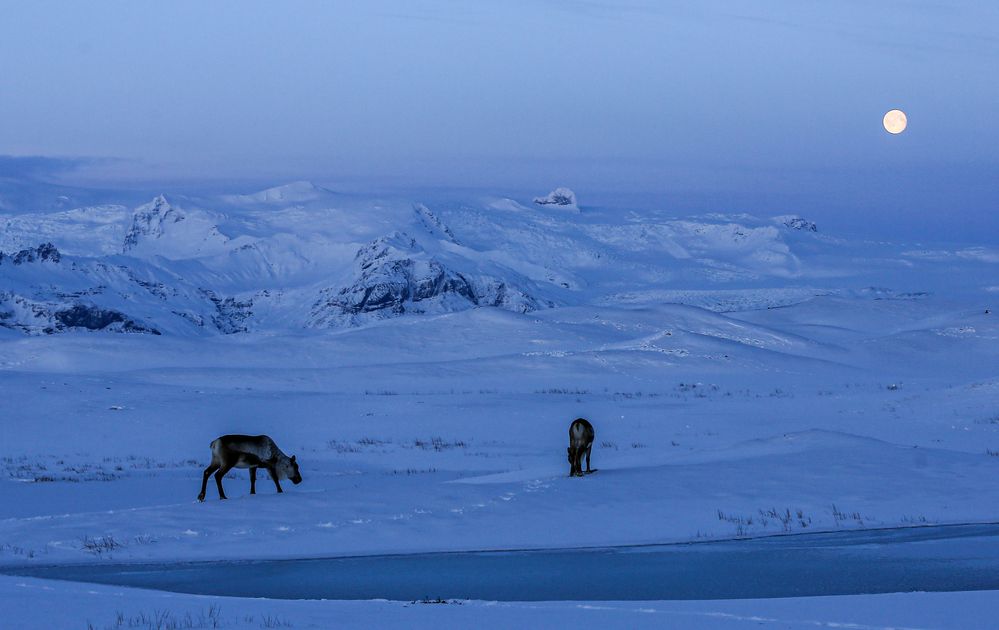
{"x": 749, "y": 105}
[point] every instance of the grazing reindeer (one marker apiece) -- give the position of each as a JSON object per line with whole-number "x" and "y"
{"x": 249, "y": 451}
{"x": 580, "y": 443}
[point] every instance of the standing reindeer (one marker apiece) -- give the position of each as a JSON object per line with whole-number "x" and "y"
{"x": 249, "y": 451}
{"x": 580, "y": 443}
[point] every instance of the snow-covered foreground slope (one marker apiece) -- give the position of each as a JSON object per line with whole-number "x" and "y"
{"x": 28, "y": 604}
{"x": 743, "y": 376}
{"x": 447, "y": 432}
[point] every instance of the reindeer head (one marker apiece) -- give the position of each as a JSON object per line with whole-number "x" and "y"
{"x": 288, "y": 468}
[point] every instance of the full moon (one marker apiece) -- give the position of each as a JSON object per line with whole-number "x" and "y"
{"x": 895, "y": 121}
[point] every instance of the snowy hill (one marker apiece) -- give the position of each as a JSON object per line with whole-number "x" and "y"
{"x": 299, "y": 192}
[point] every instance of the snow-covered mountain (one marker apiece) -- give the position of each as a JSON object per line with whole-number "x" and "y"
{"x": 159, "y": 228}
{"x": 302, "y": 256}
{"x": 300, "y": 192}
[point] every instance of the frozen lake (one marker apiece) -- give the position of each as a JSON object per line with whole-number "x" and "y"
{"x": 939, "y": 558}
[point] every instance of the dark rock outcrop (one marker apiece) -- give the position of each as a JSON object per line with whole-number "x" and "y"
{"x": 231, "y": 314}
{"x": 797, "y": 223}
{"x": 46, "y": 252}
{"x": 95, "y": 318}
{"x": 561, "y": 197}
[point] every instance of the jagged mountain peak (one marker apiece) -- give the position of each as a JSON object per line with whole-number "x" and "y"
{"x": 163, "y": 229}
{"x": 149, "y": 220}
{"x": 46, "y": 252}
{"x": 158, "y": 207}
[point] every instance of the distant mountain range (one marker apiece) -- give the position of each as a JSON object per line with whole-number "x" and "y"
{"x": 302, "y": 256}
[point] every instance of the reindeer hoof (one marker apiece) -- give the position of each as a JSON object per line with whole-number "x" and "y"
{"x": 201, "y": 498}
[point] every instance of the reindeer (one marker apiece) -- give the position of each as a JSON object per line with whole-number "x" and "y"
{"x": 580, "y": 443}
{"x": 249, "y": 451}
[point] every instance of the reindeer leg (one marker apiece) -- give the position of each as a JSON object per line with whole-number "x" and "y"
{"x": 204, "y": 481}
{"x": 253, "y": 480}
{"x": 588, "y": 449}
{"x": 274, "y": 476}
{"x": 222, "y": 472}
